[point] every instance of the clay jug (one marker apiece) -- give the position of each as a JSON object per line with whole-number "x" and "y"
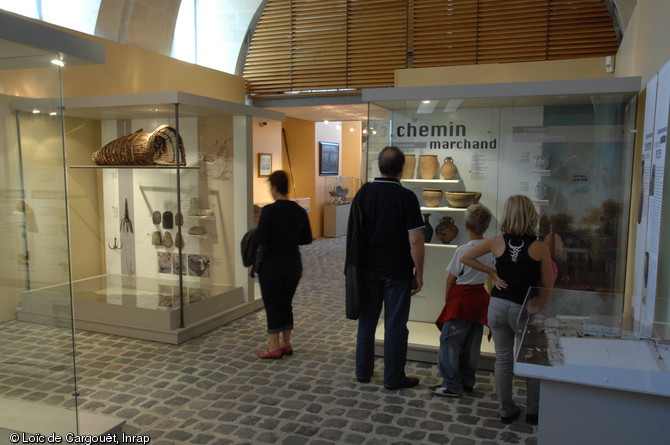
{"x": 448, "y": 169}
{"x": 408, "y": 169}
{"x": 446, "y": 230}
{"x": 432, "y": 197}
{"x": 428, "y": 166}
{"x": 428, "y": 229}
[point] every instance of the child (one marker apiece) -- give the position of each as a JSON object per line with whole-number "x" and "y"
{"x": 464, "y": 315}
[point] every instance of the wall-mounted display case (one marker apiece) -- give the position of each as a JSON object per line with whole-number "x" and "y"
{"x": 565, "y": 144}
{"x": 153, "y": 225}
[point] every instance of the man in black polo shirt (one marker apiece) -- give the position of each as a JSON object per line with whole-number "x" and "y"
{"x": 392, "y": 253}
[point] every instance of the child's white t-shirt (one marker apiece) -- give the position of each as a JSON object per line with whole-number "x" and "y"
{"x": 465, "y": 274}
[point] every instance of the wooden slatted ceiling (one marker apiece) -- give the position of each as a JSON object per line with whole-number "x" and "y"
{"x": 308, "y": 45}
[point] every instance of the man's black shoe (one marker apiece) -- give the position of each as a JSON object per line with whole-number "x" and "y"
{"x": 407, "y": 382}
{"x": 511, "y": 418}
{"x": 363, "y": 379}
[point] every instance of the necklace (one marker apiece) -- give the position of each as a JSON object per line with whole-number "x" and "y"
{"x": 514, "y": 250}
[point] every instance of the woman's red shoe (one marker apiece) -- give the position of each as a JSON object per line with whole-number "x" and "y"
{"x": 287, "y": 350}
{"x": 277, "y": 353}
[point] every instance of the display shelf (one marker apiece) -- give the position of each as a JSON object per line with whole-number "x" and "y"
{"x": 441, "y": 246}
{"x": 135, "y": 167}
{"x": 442, "y": 209}
{"x": 430, "y": 181}
{"x": 203, "y": 217}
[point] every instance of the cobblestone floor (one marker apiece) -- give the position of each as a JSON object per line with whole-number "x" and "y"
{"x": 213, "y": 389}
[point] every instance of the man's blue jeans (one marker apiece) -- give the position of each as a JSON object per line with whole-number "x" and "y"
{"x": 395, "y": 296}
{"x": 458, "y": 357}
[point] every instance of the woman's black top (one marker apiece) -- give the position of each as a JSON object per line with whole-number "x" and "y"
{"x": 283, "y": 226}
{"x": 516, "y": 268}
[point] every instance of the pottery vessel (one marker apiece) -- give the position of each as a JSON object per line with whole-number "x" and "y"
{"x": 462, "y": 199}
{"x": 448, "y": 169}
{"x": 446, "y": 230}
{"x": 410, "y": 165}
{"x": 432, "y": 197}
{"x": 428, "y": 166}
{"x": 428, "y": 229}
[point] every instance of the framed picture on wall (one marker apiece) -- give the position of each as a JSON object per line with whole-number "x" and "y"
{"x": 264, "y": 165}
{"x": 329, "y": 158}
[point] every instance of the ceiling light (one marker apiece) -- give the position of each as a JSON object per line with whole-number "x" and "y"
{"x": 351, "y": 129}
{"x": 426, "y": 102}
{"x": 58, "y": 60}
{"x": 53, "y": 113}
{"x": 325, "y": 121}
{"x": 453, "y": 105}
{"x": 36, "y": 111}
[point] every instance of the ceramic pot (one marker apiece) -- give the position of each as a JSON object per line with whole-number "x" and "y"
{"x": 448, "y": 169}
{"x": 410, "y": 165}
{"x": 428, "y": 229}
{"x": 428, "y": 166}
{"x": 446, "y": 230}
{"x": 432, "y": 197}
{"x": 461, "y": 200}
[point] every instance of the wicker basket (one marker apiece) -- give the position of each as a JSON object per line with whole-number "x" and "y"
{"x": 140, "y": 148}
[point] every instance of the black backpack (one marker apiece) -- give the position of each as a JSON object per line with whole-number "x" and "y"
{"x": 252, "y": 252}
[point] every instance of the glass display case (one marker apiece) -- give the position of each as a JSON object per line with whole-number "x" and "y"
{"x": 596, "y": 371}
{"x": 39, "y": 393}
{"x": 564, "y": 144}
{"x": 154, "y": 200}
{"x": 339, "y": 190}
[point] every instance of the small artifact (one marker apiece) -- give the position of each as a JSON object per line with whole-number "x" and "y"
{"x": 206, "y": 212}
{"x": 167, "y": 240}
{"x": 448, "y": 169}
{"x": 167, "y": 220}
{"x": 179, "y": 219}
{"x": 126, "y": 223}
{"x": 542, "y": 162}
{"x": 179, "y": 241}
{"x": 193, "y": 210}
{"x": 116, "y": 245}
{"x": 462, "y": 200}
{"x": 446, "y": 230}
{"x": 432, "y": 197}
{"x": 428, "y": 166}
{"x": 196, "y": 230}
{"x": 156, "y": 238}
{"x": 428, "y": 229}
{"x": 340, "y": 194}
{"x": 410, "y": 165}
{"x": 156, "y": 217}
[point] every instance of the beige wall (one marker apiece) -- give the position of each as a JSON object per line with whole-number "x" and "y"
{"x": 644, "y": 48}
{"x": 267, "y": 139}
{"x": 84, "y": 190}
{"x": 300, "y": 147}
{"x": 351, "y": 149}
{"x": 591, "y": 68}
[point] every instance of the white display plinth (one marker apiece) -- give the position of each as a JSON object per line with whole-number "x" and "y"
{"x": 335, "y": 218}
{"x": 139, "y": 307}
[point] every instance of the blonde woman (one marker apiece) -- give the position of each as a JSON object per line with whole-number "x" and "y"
{"x": 522, "y": 261}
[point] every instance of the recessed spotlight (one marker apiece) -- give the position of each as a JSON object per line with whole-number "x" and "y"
{"x": 351, "y": 129}
{"x": 58, "y": 62}
{"x": 53, "y": 113}
{"x": 426, "y": 101}
{"x": 36, "y": 111}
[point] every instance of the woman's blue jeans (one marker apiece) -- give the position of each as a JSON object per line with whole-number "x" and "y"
{"x": 395, "y": 296}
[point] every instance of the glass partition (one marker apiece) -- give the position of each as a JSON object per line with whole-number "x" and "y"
{"x": 37, "y": 360}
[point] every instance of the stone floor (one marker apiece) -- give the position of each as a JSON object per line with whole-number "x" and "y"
{"x": 213, "y": 389}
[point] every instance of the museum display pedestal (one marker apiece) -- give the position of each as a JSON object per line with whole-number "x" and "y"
{"x": 599, "y": 383}
{"x": 335, "y": 218}
{"x": 138, "y": 307}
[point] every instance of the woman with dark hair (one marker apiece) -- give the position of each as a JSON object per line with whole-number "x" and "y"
{"x": 282, "y": 227}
